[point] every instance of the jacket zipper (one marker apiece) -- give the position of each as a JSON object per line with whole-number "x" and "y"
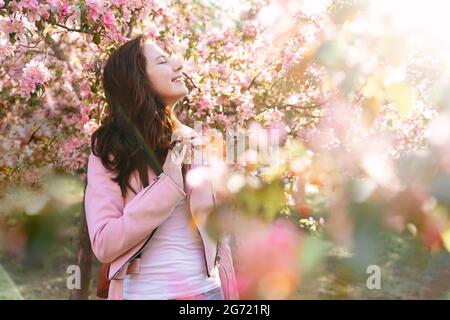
{"x": 145, "y": 243}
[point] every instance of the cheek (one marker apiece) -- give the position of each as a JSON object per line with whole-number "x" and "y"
{"x": 162, "y": 86}
{"x": 160, "y": 82}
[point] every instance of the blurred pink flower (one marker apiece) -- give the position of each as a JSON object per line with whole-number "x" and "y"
{"x": 288, "y": 58}
{"x": 250, "y": 29}
{"x": 267, "y": 264}
{"x": 31, "y": 176}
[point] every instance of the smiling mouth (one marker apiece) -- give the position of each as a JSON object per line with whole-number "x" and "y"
{"x": 177, "y": 79}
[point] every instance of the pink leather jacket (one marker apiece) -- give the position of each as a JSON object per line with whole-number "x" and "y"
{"x": 120, "y": 227}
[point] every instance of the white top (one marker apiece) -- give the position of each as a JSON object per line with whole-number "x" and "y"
{"x": 173, "y": 263}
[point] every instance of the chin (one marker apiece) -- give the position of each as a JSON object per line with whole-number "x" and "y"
{"x": 184, "y": 92}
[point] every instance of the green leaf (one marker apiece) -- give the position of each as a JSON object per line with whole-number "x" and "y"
{"x": 52, "y": 19}
{"x": 97, "y": 38}
{"x": 12, "y": 37}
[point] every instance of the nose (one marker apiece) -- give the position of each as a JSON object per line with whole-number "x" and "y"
{"x": 178, "y": 65}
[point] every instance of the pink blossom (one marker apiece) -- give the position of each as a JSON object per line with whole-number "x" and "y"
{"x": 205, "y": 104}
{"x": 70, "y": 152}
{"x": 95, "y": 3}
{"x": 273, "y": 116}
{"x": 89, "y": 127}
{"x": 95, "y": 8}
{"x": 126, "y": 14}
{"x": 31, "y": 177}
{"x": 62, "y": 7}
{"x": 288, "y": 58}
{"x": 85, "y": 108}
{"x": 114, "y": 35}
{"x": 34, "y": 73}
{"x": 10, "y": 25}
{"x": 54, "y": 3}
{"x": 223, "y": 101}
{"x": 246, "y": 107}
{"x": 119, "y": 2}
{"x": 6, "y": 49}
{"x": 93, "y": 13}
{"x": 28, "y": 4}
{"x": 250, "y": 29}
{"x": 151, "y": 32}
{"x": 108, "y": 19}
{"x": 221, "y": 118}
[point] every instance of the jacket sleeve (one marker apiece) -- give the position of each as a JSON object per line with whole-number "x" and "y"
{"x": 114, "y": 227}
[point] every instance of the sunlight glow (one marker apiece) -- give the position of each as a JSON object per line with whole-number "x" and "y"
{"x": 426, "y": 20}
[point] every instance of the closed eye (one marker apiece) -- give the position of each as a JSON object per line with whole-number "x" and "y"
{"x": 162, "y": 59}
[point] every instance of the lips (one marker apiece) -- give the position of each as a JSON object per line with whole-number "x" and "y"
{"x": 178, "y": 78}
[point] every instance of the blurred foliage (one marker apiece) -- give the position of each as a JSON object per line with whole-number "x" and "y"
{"x": 36, "y": 222}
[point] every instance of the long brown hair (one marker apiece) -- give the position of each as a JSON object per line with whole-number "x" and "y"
{"x": 138, "y": 127}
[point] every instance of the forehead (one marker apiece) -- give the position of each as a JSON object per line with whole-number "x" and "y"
{"x": 151, "y": 50}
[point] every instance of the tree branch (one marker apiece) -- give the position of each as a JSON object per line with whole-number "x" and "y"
{"x": 70, "y": 29}
{"x": 130, "y": 26}
{"x": 253, "y": 80}
{"x": 33, "y": 134}
{"x": 60, "y": 55}
{"x": 191, "y": 81}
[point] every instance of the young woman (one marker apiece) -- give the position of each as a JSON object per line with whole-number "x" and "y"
{"x": 143, "y": 219}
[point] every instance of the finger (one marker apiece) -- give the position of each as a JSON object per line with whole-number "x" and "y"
{"x": 177, "y": 153}
{"x": 177, "y": 148}
{"x": 181, "y": 154}
{"x": 173, "y": 155}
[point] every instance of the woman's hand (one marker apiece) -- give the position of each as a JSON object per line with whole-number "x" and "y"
{"x": 195, "y": 142}
{"x": 172, "y": 164}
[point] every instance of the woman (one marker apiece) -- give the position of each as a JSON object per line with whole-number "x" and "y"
{"x": 143, "y": 219}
